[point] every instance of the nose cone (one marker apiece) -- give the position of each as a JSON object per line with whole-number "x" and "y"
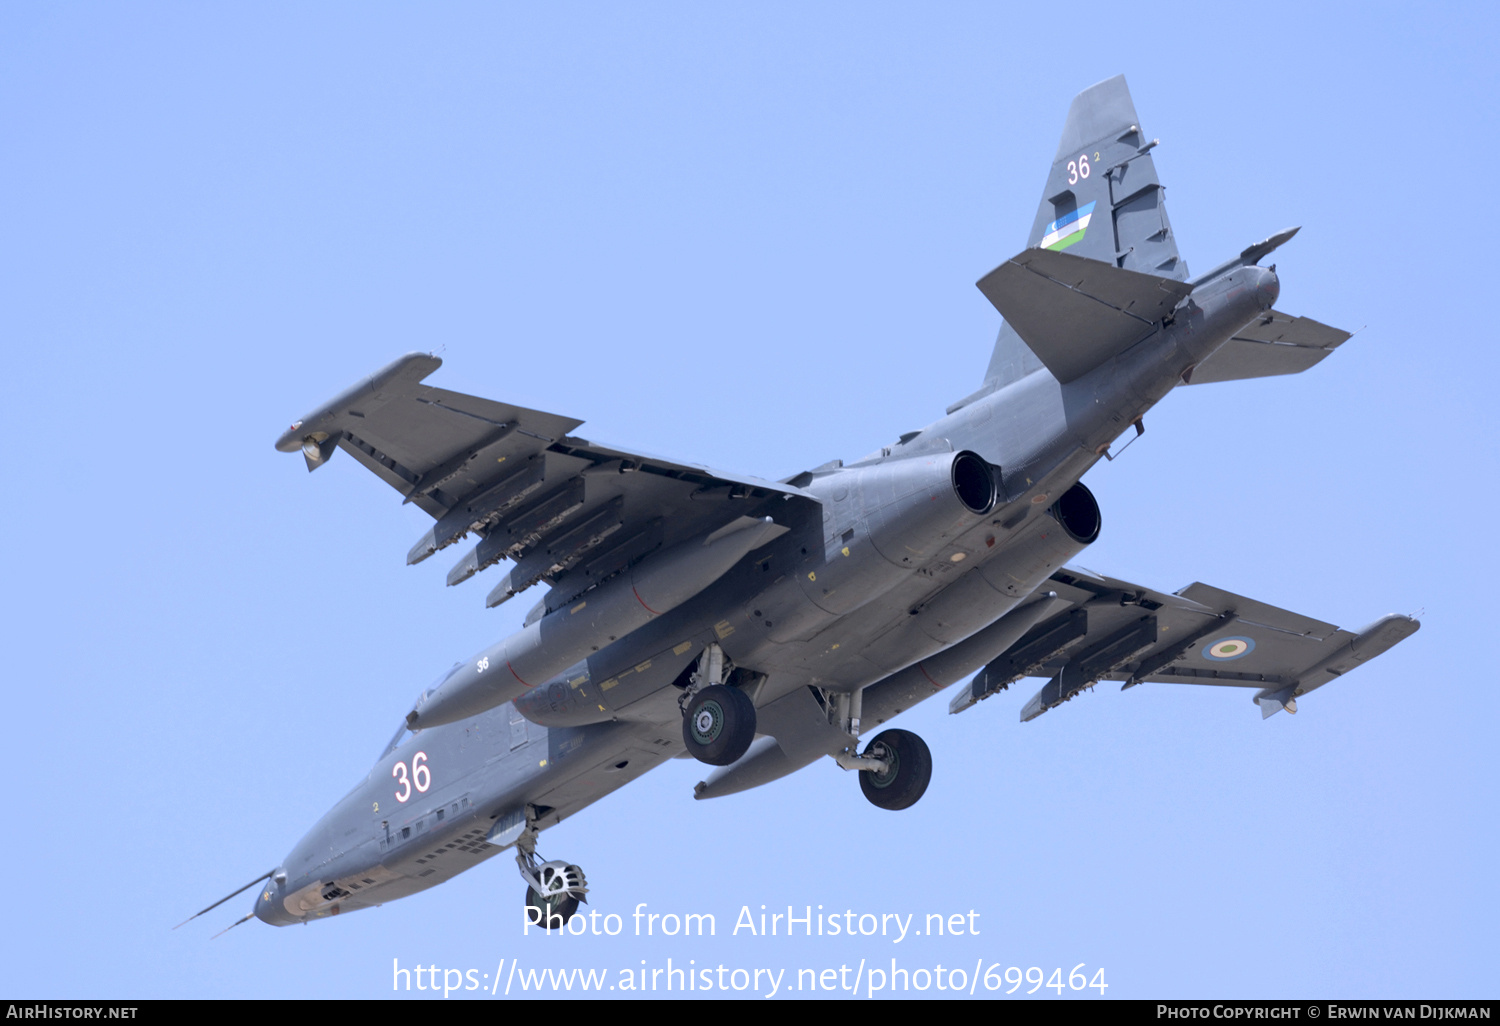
{"x": 1267, "y": 286}
{"x": 269, "y": 907}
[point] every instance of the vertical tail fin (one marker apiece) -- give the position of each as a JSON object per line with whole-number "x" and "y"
{"x": 1103, "y": 201}
{"x": 1012, "y": 359}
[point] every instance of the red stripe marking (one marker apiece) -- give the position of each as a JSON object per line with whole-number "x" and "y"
{"x": 928, "y": 676}
{"x": 516, "y": 675}
{"x": 642, "y": 601}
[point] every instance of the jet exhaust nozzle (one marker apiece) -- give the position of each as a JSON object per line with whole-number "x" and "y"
{"x": 1078, "y": 513}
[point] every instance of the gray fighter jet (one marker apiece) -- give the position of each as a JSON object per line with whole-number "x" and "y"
{"x": 758, "y": 626}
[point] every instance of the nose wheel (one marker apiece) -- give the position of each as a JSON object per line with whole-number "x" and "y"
{"x": 551, "y": 905}
{"x": 553, "y": 889}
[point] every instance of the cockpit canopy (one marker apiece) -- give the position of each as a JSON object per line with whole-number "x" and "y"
{"x": 404, "y": 733}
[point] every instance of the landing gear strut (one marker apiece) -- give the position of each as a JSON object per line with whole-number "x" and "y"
{"x": 553, "y": 889}
{"x": 718, "y": 721}
{"x": 894, "y": 769}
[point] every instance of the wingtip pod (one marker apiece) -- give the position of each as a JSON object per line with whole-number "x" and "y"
{"x": 323, "y": 426}
{"x": 1365, "y": 645}
{"x": 1272, "y": 702}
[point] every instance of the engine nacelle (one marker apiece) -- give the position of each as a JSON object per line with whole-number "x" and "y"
{"x": 914, "y": 507}
{"x": 900, "y": 515}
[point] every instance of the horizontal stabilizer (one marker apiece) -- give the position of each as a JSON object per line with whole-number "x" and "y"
{"x": 1276, "y": 343}
{"x": 1075, "y": 313}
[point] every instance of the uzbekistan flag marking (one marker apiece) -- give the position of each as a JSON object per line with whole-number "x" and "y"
{"x": 1068, "y": 229}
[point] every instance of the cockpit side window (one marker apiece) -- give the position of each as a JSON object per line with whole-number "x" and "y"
{"x": 403, "y": 734}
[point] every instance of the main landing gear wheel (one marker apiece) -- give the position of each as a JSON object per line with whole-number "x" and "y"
{"x": 562, "y": 886}
{"x": 908, "y": 774}
{"x": 718, "y": 724}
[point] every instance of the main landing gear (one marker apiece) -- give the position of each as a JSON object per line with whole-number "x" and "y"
{"x": 553, "y": 889}
{"x": 894, "y": 769}
{"x": 908, "y": 770}
{"x": 718, "y": 721}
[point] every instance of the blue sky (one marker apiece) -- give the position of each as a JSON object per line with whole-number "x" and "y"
{"x": 748, "y": 237}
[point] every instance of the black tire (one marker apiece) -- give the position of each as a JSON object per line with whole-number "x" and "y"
{"x": 909, "y": 775}
{"x": 549, "y": 913}
{"x": 718, "y": 725}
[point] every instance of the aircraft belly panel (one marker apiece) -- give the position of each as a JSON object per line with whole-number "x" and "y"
{"x": 788, "y": 614}
{"x": 614, "y": 770}
{"x": 960, "y": 609}
{"x": 852, "y": 575}
{"x": 884, "y": 636}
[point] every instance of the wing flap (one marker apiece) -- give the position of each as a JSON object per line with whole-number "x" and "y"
{"x": 1075, "y": 313}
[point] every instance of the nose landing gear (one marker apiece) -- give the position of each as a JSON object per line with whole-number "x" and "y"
{"x": 553, "y": 889}
{"x": 553, "y": 892}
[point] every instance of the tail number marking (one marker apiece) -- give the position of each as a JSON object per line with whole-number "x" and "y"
{"x": 421, "y": 776}
{"x": 1078, "y": 169}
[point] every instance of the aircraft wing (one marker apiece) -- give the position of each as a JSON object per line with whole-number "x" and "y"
{"x": 566, "y": 510}
{"x": 1115, "y": 630}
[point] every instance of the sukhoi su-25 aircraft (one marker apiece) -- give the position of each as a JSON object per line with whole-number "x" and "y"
{"x": 758, "y": 626}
